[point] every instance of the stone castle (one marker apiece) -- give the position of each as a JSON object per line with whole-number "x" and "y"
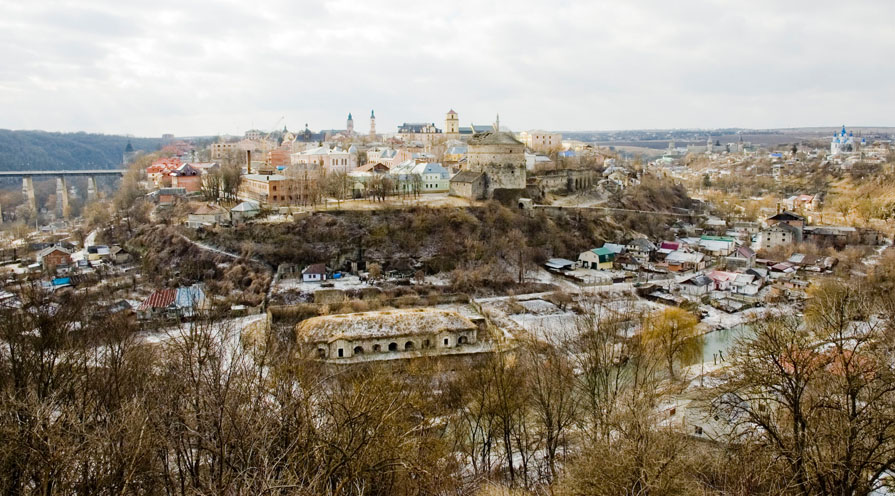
{"x": 495, "y": 161}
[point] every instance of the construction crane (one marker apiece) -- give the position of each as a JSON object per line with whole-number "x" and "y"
{"x": 275, "y": 126}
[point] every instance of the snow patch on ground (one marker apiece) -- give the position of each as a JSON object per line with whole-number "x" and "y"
{"x": 296, "y": 284}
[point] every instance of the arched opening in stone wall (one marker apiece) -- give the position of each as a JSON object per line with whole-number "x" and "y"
{"x": 408, "y": 345}
{"x": 393, "y": 347}
{"x": 358, "y": 350}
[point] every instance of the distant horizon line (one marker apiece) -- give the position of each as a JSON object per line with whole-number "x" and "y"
{"x": 567, "y": 131}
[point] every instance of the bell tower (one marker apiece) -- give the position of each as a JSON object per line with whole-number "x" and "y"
{"x": 372, "y": 124}
{"x": 452, "y": 123}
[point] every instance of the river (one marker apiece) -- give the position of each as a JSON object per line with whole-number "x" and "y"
{"x": 718, "y": 344}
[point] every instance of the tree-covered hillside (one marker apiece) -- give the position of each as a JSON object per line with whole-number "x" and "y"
{"x": 20, "y": 150}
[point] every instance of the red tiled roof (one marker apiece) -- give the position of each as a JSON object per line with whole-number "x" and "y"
{"x": 164, "y": 165}
{"x": 719, "y": 275}
{"x": 371, "y": 166}
{"x": 668, "y": 245}
{"x": 162, "y": 298}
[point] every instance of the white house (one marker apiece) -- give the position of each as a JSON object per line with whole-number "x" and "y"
{"x": 314, "y": 273}
{"x": 244, "y": 211}
{"x": 697, "y": 285}
{"x": 746, "y": 284}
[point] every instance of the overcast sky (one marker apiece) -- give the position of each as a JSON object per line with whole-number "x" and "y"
{"x": 199, "y": 68}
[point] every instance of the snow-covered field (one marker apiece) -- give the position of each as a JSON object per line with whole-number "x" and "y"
{"x": 346, "y": 282}
{"x": 717, "y": 319}
{"x": 296, "y": 284}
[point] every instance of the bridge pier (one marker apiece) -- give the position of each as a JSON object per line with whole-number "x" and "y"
{"x": 62, "y": 196}
{"x": 28, "y": 191}
{"x": 91, "y": 188}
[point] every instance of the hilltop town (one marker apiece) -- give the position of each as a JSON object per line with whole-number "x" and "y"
{"x": 442, "y": 247}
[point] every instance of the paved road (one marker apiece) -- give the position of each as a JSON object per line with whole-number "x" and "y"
{"x": 621, "y": 286}
{"x": 211, "y": 248}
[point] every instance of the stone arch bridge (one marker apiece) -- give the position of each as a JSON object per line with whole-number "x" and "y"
{"x": 61, "y": 186}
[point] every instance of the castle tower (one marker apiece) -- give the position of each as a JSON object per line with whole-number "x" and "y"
{"x": 129, "y": 154}
{"x": 452, "y": 123}
{"x": 372, "y": 124}
{"x": 350, "y": 125}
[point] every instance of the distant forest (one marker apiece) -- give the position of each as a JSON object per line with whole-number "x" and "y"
{"x": 41, "y": 150}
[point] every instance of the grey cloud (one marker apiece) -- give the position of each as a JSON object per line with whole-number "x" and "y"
{"x": 207, "y": 67}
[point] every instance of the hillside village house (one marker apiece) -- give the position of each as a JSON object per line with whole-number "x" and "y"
{"x": 802, "y": 202}
{"x": 723, "y": 280}
{"x": 743, "y": 256}
{"x": 717, "y": 246}
{"x": 432, "y": 177}
{"x": 468, "y": 184}
{"x": 159, "y": 173}
{"x": 697, "y": 285}
{"x": 779, "y": 234}
{"x": 184, "y": 301}
{"x": 186, "y": 177}
{"x": 665, "y": 248}
{"x": 385, "y": 334}
{"x": 54, "y": 256}
{"x": 615, "y": 248}
{"x": 244, "y": 211}
{"x": 98, "y": 252}
{"x": 314, "y": 273}
{"x": 786, "y": 217}
{"x": 640, "y": 248}
{"x": 746, "y": 284}
{"x": 119, "y": 255}
{"x": 598, "y": 258}
{"x": 206, "y": 215}
{"x": 168, "y": 196}
{"x": 682, "y": 261}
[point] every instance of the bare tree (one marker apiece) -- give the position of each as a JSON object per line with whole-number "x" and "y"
{"x": 818, "y": 394}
